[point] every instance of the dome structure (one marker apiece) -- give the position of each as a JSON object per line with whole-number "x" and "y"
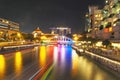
{"x": 38, "y": 31}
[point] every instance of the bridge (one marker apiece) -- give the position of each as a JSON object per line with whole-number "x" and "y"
{"x": 62, "y": 40}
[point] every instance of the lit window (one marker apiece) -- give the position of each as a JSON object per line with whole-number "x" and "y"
{"x": 110, "y": 29}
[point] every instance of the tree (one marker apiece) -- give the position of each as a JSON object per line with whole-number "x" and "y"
{"x": 13, "y": 36}
{"x": 28, "y": 36}
{"x": 106, "y": 43}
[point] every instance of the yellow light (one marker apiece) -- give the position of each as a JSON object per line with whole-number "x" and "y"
{"x": 74, "y": 35}
{"x": 86, "y": 15}
{"x": 18, "y": 34}
{"x": 101, "y": 18}
{"x": 2, "y": 66}
{"x": 99, "y": 44}
{"x": 96, "y": 15}
{"x": 114, "y": 24}
{"x": 43, "y": 37}
{"x": 7, "y": 22}
{"x": 76, "y": 38}
{"x": 1, "y": 32}
{"x": 35, "y": 35}
{"x": 116, "y": 45}
{"x": 110, "y": 29}
{"x": 96, "y": 22}
{"x": 114, "y": 19}
{"x": 75, "y": 62}
{"x": 106, "y": 1}
{"x": 42, "y": 55}
{"x": 3, "y": 21}
{"x": 18, "y": 62}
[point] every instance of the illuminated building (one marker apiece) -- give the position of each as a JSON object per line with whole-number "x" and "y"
{"x": 110, "y": 20}
{"x": 39, "y": 35}
{"x": 105, "y": 23}
{"x": 37, "y": 32}
{"x": 8, "y": 25}
{"x": 7, "y": 28}
{"x": 95, "y": 17}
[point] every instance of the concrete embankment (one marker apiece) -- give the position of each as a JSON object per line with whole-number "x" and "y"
{"x": 112, "y": 65}
{"x": 10, "y": 49}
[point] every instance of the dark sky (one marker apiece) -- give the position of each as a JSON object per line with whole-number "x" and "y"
{"x": 47, "y": 13}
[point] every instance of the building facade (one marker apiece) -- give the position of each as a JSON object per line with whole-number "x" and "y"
{"x": 7, "y": 28}
{"x": 61, "y": 30}
{"x": 8, "y": 25}
{"x": 105, "y": 23}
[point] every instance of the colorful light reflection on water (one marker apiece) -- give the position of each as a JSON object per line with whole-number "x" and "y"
{"x": 42, "y": 55}
{"x": 18, "y": 62}
{"x": 69, "y": 66}
{"x": 2, "y": 66}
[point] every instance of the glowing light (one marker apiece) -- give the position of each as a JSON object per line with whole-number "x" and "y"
{"x": 1, "y": 32}
{"x": 42, "y": 55}
{"x": 99, "y": 44}
{"x": 106, "y": 30}
{"x": 86, "y": 15}
{"x": 43, "y": 37}
{"x": 114, "y": 24}
{"x": 7, "y": 22}
{"x": 116, "y": 45}
{"x": 18, "y": 62}
{"x": 110, "y": 29}
{"x": 106, "y": 1}
{"x": 18, "y": 34}
{"x": 35, "y": 35}
{"x": 76, "y": 38}
{"x": 96, "y": 15}
{"x": 2, "y": 66}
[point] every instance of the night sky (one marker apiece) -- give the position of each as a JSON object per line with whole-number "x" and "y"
{"x": 44, "y": 14}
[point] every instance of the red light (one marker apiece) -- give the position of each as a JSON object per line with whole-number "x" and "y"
{"x": 106, "y": 30}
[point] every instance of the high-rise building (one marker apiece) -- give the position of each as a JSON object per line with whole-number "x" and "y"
{"x": 95, "y": 16}
{"x": 105, "y": 23}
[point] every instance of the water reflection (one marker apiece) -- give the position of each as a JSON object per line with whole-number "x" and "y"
{"x": 70, "y": 66}
{"x": 42, "y": 55}
{"x": 50, "y": 51}
{"x": 18, "y": 62}
{"x": 83, "y": 69}
{"x": 74, "y": 63}
{"x": 62, "y": 54}
{"x": 2, "y": 66}
{"x": 55, "y": 54}
{"x": 62, "y": 61}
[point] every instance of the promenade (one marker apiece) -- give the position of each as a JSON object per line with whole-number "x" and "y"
{"x": 111, "y": 54}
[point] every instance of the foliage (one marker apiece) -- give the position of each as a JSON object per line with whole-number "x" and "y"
{"x": 28, "y": 36}
{"x": 93, "y": 40}
{"x": 106, "y": 43}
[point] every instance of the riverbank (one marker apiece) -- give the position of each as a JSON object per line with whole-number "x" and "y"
{"x": 10, "y": 49}
{"x": 109, "y": 63}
